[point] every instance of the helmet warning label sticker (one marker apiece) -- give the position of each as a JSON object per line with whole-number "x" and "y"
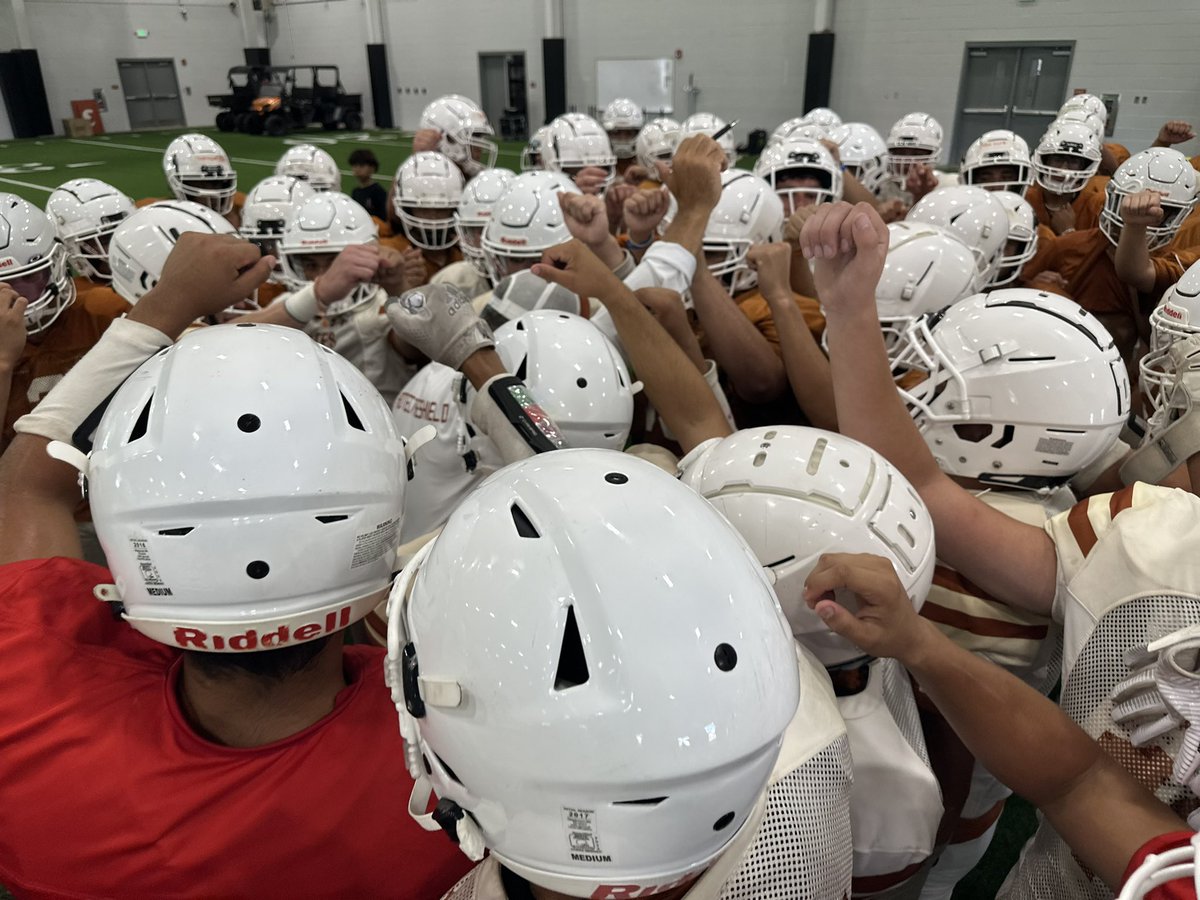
{"x": 1054, "y": 446}
{"x": 371, "y": 545}
{"x": 583, "y": 839}
{"x": 147, "y": 569}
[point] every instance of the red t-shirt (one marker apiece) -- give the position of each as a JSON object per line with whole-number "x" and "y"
{"x": 108, "y": 792}
{"x": 1180, "y": 888}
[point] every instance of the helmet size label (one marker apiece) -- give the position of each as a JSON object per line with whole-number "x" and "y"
{"x": 146, "y": 568}
{"x": 583, "y": 839}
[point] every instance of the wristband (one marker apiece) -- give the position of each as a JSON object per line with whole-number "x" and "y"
{"x": 86, "y": 388}
{"x": 506, "y": 412}
{"x": 631, "y": 244}
{"x": 625, "y": 268}
{"x": 302, "y": 305}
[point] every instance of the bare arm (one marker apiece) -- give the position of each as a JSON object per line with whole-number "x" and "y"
{"x": 739, "y": 348}
{"x": 1013, "y": 561}
{"x": 1132, "y": 257}
{"x": 12, "y": 338}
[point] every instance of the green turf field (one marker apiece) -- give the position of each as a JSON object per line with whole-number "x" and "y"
{"x": 132, "y": 162}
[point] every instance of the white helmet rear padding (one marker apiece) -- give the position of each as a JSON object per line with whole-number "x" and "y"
{"x": 916, "y": 138}
{"x": 1022, "y": 242}
{"x": 1161, "y": 169}
{"x": 1175, "y": 318}
{"x": 1071, "y": 139}
{"x": 797, "y": 157}
{"x": 656, "y": 142}
{"x": 141, "y": 244}
{"x": 593, "y": 673}
{"x": 707, "y": 123}
{"x": 246, "y": 484}
{"x": 974, "y": 216}
{"x": 328, "y": 222}
{"x": 794, "y": 493}
{"x": 198, "y": 169}
{"x": 85, "y": 213}
{"x": 623, "y": 116}
{"x": 863, "y": 153}
{"x": 1041, "y": 374}
{"x": 524, "y": 292}
{"x": 576, "y": 141}
{"x": 576, "y": 374}
{"x": 428, "y": 181}
{"x": 466, "y": 132}
{"x": 994, "y": 149}
{"x": 475, "y": 210}
{"x": 526, "y": 221}
{"x": 749, "y": 212}
{"x": 33, "y": 261}
{"x": 311, "y": 164}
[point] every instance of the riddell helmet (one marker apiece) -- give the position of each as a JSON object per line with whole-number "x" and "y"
{"x": 141, "y": 244}
{"x": 197, "y": 169}
{"x": 1089, "y": 103}
{"x": 310, "y": 164}
{"x": 85, "y": 213}
{"x": 524, "y": 292}
{"x": 823, "y": 116}
{"x": 1024, "y": 389}
{"x": 327, "y": 223}
{"x": 794, "y": 493}
{"x": 995, "y": 149}
{"x": 1021, "y": 245}
{"x": 531, "y": 153}
{"x": 33, "y": 262}
{"x": 707, "y": 123}
{"x": 199, "y": 522}
{"x": 526, "y": 221}
{"x": 428, "y": 181}
{"x": 1162, "y": 169}
{"x": 799, "y": 158}
{"x": 798, "y": 128}
{"x": 269, "y": 208}
{"x": 749, "y": 212}
{"x": 574, "y": 372}
{"x": 654, "y": 680}
{"x": 475, "y": 209}
{"x": 863, "y": 153}
{"x": 915, "y": 139}
{"x": 1153, "y": 877}
{"x": 576, "y": 141}
{"x": 623, "y": 119}
{"x": 971, "y": 214}
{"x": 1077, "y": 143}
{"x": 656, "y": 142}
{"x": 926, "y": 269}
{"x": 466, "y": 132}
{"x": 1175, "y": 318}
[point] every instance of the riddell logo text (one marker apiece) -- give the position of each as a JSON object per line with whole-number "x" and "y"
{"x": 516, "y": 242}
{"x": 1167, "y": 311}
{"x": 250, "y": 639}
{"x": 618, "y": 891}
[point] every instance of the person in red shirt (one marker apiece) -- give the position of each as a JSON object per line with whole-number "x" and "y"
{"x": 246, "y": 485}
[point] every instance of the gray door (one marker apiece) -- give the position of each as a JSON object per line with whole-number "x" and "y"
{"x": 1014, "y": 86}
{"x": 493, "y": 83}
{"x": 151, "y": 93}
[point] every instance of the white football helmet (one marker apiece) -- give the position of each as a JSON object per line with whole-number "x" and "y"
{"x": 197, "y": 169}
{"x": 656, "y": 142}
{"x": 531, "y": 153}
{"x": 800, "y": 158}
{"x": 184, "y": 473}
{"x": 1089, "y": 103}
{"x": 1175, "y": 318}
{"x": 327, "y": 223}
{"x": 1162, "y": 169}
{"x": 863, "y": 153}
{"x": 623, "y": 119}
{"x": 926, "y": 269}
{"x": 475, "y": 209}
{"x": 428, "y": 181}
{"x": 526, "y": 221}
{"x": 1160, "y": 869}
{"x": 749, "y": 212}
{"x": 524, "y": 292}
{"x": 1079, "y": 116}
{"x": 310, "y": 164}
{"x": 85, "y": 213}
{"x": 798, "y": 128}
{"x": 576, "y": 141}
{"x": 1022, "y": 242}
{"x": 823, "y": 116}
{"x": 653, "y": 683}
{"x": 916, "y": 138}
{"x": 269, "y": 208}
{"x": 141, "y": 244}
{"x": 33, "y": 262}
{"x": 993, "y": 151}
{"x": 794, "y": 493}
{"x": 466, "y": 132}
{"x": 574, "y": 372}
{"x": 971, "y": 214}
{"x": 1024, "y": 388}
{"x": 707, "y": 123}
{"x": 1066, "y": 157}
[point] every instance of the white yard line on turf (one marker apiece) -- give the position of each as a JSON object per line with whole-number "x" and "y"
{"x": 27, "y": 184}
{"x": 83, "y": 165}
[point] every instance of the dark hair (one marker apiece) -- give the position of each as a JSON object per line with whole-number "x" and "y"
{"x": 268, "y": 665}
{"x": 361, "y": 157}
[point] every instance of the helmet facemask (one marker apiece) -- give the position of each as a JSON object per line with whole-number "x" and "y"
{"x": 46, "y": 283}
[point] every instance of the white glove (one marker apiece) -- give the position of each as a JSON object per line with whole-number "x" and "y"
{"x": 439, "y": 320}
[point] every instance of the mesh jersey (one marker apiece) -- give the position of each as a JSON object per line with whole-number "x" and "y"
{"x": 1179, "y": 889}
{"x": 43, "y": 364}
{"x": 800, "y": 849}
{"x": 1127, "y": 574}
{"x": 109, "y": 792}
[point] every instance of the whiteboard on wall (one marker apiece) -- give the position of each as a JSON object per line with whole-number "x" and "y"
{"x": 650, "y": 83}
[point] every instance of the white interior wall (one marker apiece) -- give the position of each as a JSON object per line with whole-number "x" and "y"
{"x": 895, "y": 56}
{"x": 80, "y": 41}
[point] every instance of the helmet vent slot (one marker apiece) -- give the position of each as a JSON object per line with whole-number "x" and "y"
{"x": 520, "y": 373}
{"x": 177, "y": 532}
{"x": 143, "y": 421}
{"x": 449, "y": 771}
{"x": 780, "y": 562}
{"x": 525, "y": 526}
{"x": 351, "y": 416}
{"x": 572, "y": 664}
{"x": 327, "y": 520}
{"x": 1006, "y": 437}
{"x": 647, "y": 801}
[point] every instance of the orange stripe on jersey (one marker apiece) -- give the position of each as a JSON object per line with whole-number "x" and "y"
{"x": 951, "y": 580}
{"x": 1120, "y": 500}
{"x": 1081, "y": 527}
{"x": 984, "y": 627}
